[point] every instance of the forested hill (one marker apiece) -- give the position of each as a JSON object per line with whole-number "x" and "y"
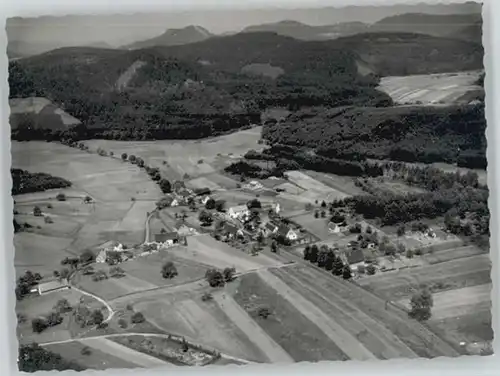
{"x": 174, "y": 92}
{"x": 454, "y": 134}
{"x": 223, "y": 83}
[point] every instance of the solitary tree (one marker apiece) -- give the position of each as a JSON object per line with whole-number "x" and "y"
{"x": 124, "y": 156}
{"x": 37, "y": 212}
{"x": 205, "y": 218}
{"x": 132, "y": 158}
{"x": 421, "y": 303}
{"x": 61, "y": 197}
{"x": 338, "y": 266}
{"x": 401, "y": 230}
{"x": 137, "y": 318}
{"x": 210, "y": 204}
{"x": 169, "y": 270}
{"x": 274, "y": 246}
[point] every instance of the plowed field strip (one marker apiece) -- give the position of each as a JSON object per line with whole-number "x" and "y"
{"x": 347, "y": 343}
{"x": 376, "y": 337}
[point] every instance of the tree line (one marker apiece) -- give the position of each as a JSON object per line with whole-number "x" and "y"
{"x": 27, "y": 182}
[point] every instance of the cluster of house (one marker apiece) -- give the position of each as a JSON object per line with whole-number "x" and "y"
{"x": 183, "y": 196}
{"x": 111, "y": 246}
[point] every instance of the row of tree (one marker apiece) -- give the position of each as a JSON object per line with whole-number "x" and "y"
{"x": 327, "y": 259}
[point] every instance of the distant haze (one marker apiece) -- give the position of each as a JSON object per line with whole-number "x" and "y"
{"x": 50, "y": 32}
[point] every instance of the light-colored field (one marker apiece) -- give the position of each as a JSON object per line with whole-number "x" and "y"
{"x": 77, "y": 226}
{"x": 316, "y": 226}
{"x": 458, "y": 302}
{"x": 124, "y": 353}
{"x": 39, "y": 253}
{"x": 344, "y": 184}
{"x": 206, "y": 250}
{"x": 463, "y": 272}
{"x": 182, "y": 156}
{"x": 314, "y": 189}
{"x": 443, "y": 88}
{"x": 252, "y": 330}
{"x": 203, "y": 322}
{"x": 97, "y": 359}
{"x": 203, "y": 182}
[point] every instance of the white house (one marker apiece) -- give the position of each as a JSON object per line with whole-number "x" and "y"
{"x": 240, "y": 212}
{"x": 51, "y": 286}
{"x": 101, "y": 257}
{"x": 288, "y": 233}
{"x": 205, "y": 199}
{"x": 276, "y": 207}
{"x": 333, "y": 228}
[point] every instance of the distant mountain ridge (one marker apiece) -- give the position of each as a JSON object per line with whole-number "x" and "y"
{"x": 174, "y": 37}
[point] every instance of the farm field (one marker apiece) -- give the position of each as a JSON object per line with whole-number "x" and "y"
{"x": 443, "y": 88}
{"x": 117, "y": 350}
{"x": 205, "y": 250}
{"x": 183, "y": 157}
{"x": 77, "y": 226}
{"x": 458, "y": 302}
{"x": 314, "y": 189}
{"x": 316, "y": 226}
{"x": 290, "y": 329}
{"x": 185, "y": 314}
{"x": 463, "y": 272}
{"x": 344, "y": 184}
{"x": 97, "y": 359}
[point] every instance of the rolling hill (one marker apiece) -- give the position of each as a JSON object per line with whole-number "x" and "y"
{"x": 164, "y": 92}
{"x": 440, "y": 25}
{"x": 173, "y": 37}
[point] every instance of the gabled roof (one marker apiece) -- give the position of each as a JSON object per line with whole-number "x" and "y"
{"x": 52, "y": 285}
{"x": 166, "y": 236}
{"x": 270, "y": 226}
{"x": 283, "y": 229}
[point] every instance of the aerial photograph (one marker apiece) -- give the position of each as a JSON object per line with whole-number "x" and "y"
{"x": 242, "y": 186}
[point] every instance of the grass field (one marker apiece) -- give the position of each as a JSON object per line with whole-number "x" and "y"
{"x": 344, "y": 184}
{"x": 97, "y": 359}
{"x": 314, "y": 189}
{"x": 316, "y": 226}
{"x": 297, "y": 335}
{"x": 205, "y": 250}
{"x": 463, "y": 272}
{"x": 444, "y": 88}
{"x": 194, "y": 158}
{"x": 185, "y": 314}
{"x": 77, "y": 226}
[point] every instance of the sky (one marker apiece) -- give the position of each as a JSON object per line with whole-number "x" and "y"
{"x": 117, "y": 30}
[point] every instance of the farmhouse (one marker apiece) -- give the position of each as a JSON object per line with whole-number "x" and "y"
{"x": 354, "y": 256}
{"x": 51, "y": 286}
{"x": 240, "y": 212}
{"x": 333, "y": 228}
{"x": 205, "y": 199}
{"x": 270, "y": 229}
{"x": 101, "y": 257}
{"x": 287, "y": 232}
{"x": 231, "y": 230}
{"x": 170, "y": 200}
{"x": 169, "y": 238}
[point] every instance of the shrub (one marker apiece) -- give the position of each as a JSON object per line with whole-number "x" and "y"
{"x": 409, "y": 253}
{"x": 370, "y": 269}
{"x": 86, "y": 351}
{"x": 49, "y": 206}
{"x": 49, "y": 220}
{"x": 61, "y": 197}
{"x": 264, "y": 312}
{"x": 38, "y": 325}
{"x": 137, "y": 318}
{"x": 214, "y": 278}
{"x": 169, "y": 270}
{"x": 97, "y": 317}
{"x": 228, "y": 274}
{"x": 206, "y": 297}
{"x": 421, "y": 304}
{"x": 361, "y": 269}
{"x": 37, "y": 212}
